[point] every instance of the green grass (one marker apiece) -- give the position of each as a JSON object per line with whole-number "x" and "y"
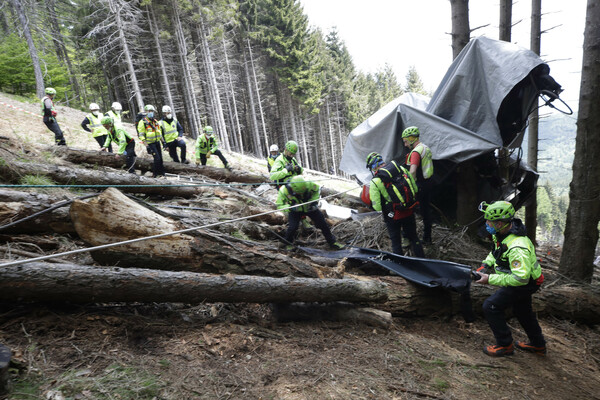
{"x": 441, "y": 384}
{"x": 36, "y": 180}
{"x": 116, "y": 381}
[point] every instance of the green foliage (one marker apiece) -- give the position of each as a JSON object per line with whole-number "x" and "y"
{"x": 16, "y": 69}
{"x": 414, "y": 83}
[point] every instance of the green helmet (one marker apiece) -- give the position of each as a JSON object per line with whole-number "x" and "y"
{"x": 208, "y": 129}
{"x": 497, "y": 211}
{"x": 373, "y": 160}
{"x": 50, "y": 90}
{"x": 292, "y": 147}
{"x": 106, "y": 120}
{"x": 410, "y": 131}
{"x": 149, "y": 107}
{"x": 298, "y": 185}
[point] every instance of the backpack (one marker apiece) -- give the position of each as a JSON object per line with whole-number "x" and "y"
{"x": 400, "y": 186}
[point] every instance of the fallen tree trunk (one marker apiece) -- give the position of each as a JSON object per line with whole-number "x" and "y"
{"x": 78, "y": 156}
{"x": 112, "y": 217}
{"x": 82, "y": 176}
{"x": 331, "y": 312}
{"x": 16, "y": 205}
{"x": 39, "y": 281}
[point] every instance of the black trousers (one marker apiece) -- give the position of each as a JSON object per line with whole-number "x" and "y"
{"x": 409, "y": 226}
{"x": 217, "y": 153}
{"x": 59, "y": 138}
{"x": 101, "y": 140}
{"x": 158, "y": 168}
{"x": 172, "y": 147}
{"x": 424, "y": 198}
{"x": 519, "y": 298}
{"x": 131, "y": 156}
{"x": 318, "y": 219}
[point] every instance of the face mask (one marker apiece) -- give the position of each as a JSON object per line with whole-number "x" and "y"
{"x": 150, "y": 114}
{"x": 491, "y": 230}
{"x": 118, "y": 112}
{"x": 169, "y": 116}
{"x": 95, "y": 112}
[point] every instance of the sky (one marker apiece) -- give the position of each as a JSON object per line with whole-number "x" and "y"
{"x": 405, "y": 33}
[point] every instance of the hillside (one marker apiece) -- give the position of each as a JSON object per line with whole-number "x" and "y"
{"x": 240, "y": 351}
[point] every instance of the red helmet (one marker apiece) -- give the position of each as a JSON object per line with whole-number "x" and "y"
{"x": 365, "y": 196}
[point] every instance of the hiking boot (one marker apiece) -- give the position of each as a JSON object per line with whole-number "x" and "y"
{"x": 186, "y": 161}
{"x": 499, "y": 351}
{"x": 227, "y": 167}
{"x": 337, "y": 246}
{"x": 539, "y": 350}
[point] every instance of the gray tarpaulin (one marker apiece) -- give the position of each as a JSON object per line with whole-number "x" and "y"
{"x": 460, "y": 121}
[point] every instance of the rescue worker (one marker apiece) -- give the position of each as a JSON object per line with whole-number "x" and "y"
{"x": 274, "y": 153}
{"x": 286, "y": 166}
{"x": 117, "y": 134}
{"x": 420, "y": 163}
{"x": 398, "y": 215}
{"x": 173, "y": 134}
{"x": 92, "y": 123}
{"x": 49, "y": 117}
{"x": 512, "y": 264}
{"x": 115, "y": 113}
{"x": 207, "y": 144}
{"x": 151, "y": 136}
{"x": 298, "y": 191}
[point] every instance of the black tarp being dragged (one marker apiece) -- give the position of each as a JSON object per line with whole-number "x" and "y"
{"x": 422, "y": 271}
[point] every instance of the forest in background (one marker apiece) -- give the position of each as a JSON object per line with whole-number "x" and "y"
{"x": 252, "y": 69}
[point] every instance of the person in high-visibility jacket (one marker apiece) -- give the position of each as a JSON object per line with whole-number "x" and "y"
{"x": 296, "y": 192}
{"x": 126, "y": 142}
{"x": 286, "y": 166}
{"x": 420, "y": 162}
{"x": 49, "y": 117}
{"x": 273, "y": 154}
{"x": 92, "y": 123}
{"x": 398, "y": 213}
{"x": 116, "y": 114}
{"x": 151, "y": 136}
{"x": 513, "y": 265}
{"x": 173, "y": 134}
{"x": 207, "y": 144}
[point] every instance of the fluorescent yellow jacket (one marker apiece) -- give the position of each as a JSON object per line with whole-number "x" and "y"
{"x": 513, "y": 259}
{"x": 149, "y": 130}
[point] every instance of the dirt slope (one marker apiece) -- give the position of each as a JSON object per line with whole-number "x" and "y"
{"x": 219, "y": 351}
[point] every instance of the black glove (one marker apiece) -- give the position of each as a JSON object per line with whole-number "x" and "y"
{"x": 149, "y": 150}
{"x": 297, "y": 170}
{"x": 164, "y": 146}
{"x": 289, "y": 168}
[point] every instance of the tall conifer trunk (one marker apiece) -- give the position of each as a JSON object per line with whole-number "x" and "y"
{"x": 583, "y": 214}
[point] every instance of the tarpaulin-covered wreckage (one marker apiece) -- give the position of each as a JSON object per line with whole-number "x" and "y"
{"x": 481, "y": 105}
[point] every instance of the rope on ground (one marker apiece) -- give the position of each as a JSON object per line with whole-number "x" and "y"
{"x": 105, "y": 246}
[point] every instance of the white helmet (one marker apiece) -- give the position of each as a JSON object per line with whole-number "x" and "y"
{"x": 166, "y": 109}
{"x": 116, "y": 106}
{"x": 274, "y": 147}
{"x": 94, "y": 107}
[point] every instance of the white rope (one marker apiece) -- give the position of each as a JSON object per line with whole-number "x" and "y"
{"x": 105, "y": 246}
